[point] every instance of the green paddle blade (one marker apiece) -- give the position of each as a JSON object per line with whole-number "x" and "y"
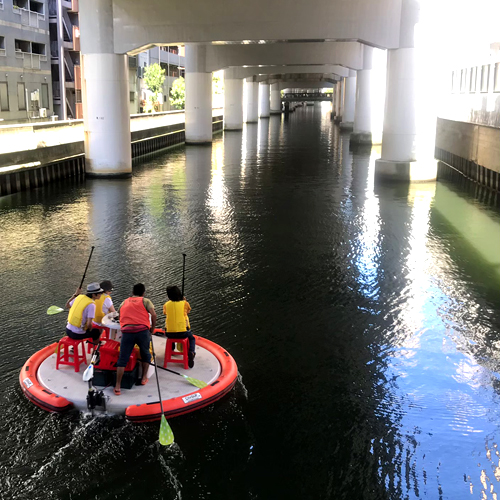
{"x": 54, "y": 310}
{"x": 166, "y": 434}
{"x": 197, "y": 383}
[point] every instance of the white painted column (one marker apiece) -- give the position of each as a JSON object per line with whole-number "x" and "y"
{"x": 264, "y": 105}
{"x": 251, "y": 100}
{"x": 362, "y": 129}
{"x": 275, "y": 104}
{"x": 341, "y": 99}
{"x": 402, "y": 141}
{"x": 233, "y": 102}
{"x": 349, "y": 101}
{"x": 105, "y": 94}
{"x": 198, "y": 106}
{"x": 334, "y": 101}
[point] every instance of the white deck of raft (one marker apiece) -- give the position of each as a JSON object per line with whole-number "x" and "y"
{"x": 69, "y": 384}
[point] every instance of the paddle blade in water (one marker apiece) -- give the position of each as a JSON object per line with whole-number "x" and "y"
{"x": 88, "y": 373}
{"x": 166, "y": 434}
{"x": 197, "y": 383}
{"x": 54, "y": 310}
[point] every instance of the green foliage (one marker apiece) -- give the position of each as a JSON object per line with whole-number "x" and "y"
{"x": 217, "y": 84}
{"x": 178, "y": 93}
{"x": 154, "y": 76}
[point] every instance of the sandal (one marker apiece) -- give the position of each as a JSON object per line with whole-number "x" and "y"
{"x": 144, "y": 381}
{"x": 117, "y": 391}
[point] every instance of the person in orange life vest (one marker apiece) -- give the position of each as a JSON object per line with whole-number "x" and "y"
{"x": 136, "y": 328}
{"x": 177, "y": 325}
{"x": 104, "y": 304}
{"x": 82, "y": 312}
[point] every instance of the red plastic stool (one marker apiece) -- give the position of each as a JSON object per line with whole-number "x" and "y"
{"x": 65, "y": 357}
{"x": 170, "y": 352}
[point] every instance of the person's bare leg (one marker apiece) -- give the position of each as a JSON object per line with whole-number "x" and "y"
{"x": 145, "y": 368}
{"x": 119, "y": 375}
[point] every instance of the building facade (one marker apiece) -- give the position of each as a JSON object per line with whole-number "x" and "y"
{"x": 25, "y": 72}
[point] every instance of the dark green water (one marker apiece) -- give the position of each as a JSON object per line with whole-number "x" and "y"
{"x": 365, "y": 321}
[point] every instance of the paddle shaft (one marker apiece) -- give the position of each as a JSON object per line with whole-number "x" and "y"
{"x": 156, "y": 372}
{"x": 183, "y": 271}
{"x": 86, "y": 267}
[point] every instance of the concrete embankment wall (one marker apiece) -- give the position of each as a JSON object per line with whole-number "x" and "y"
{"x": 471, "y": 149}
{"x": 32, "y": 155}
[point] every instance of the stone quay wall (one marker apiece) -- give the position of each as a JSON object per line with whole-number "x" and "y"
{"x": 32, "y": 155}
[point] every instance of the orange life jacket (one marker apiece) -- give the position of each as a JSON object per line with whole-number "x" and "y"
{"x": 133, "y": 312}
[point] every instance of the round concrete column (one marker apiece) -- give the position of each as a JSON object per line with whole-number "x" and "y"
{"x": 349, "y": 101}
{"x": 405, "y": 126}
{"x": 105, "y": 94}
{"x": 264, "y": 105}
{"x": 251, "y": 98}
{"x": 362, "y": 130}
{"x": 198, "y": 106}
{"x": 275, "y": 103}
{"x": 233, "y": 103}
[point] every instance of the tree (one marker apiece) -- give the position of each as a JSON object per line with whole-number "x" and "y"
{"x": 154, "y": 76}
{"x": 178, "y": 93}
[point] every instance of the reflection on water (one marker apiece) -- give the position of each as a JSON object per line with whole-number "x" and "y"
{"x": 364, "y": 320}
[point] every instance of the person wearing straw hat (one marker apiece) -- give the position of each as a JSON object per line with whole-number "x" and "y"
{"x": 82, "y": 313}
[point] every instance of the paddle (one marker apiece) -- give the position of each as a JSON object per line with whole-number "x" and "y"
{"x": 55, "y": 309}
{"x": 166, "y": 436}
{"x": 197, "y": 383}
{"x": 88, "y": 374}
{"x": 183, "y": 271}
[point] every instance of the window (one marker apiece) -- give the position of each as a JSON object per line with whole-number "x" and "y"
{"x": 496, "y": 83}
{"x": 21, "y": 4}
{"x": 463, "y": 80}
{"x": 1, "y": 4}
{"x": 472, "y": 79}
{"x": 2, "y": 44}
{"x": 485, "y": 77}
{"x": 78, "y": 96}
{"x": 454, "y": 84}
{"x": 21, "y": 96}
{"x": 4, "y": 96}
{"x": 36, "y": 7}
{"x": 38, "y": 48}
{"x": 22, "y": 46}
{"x": 45, "y": 95}
{"x": 132, "y": 96}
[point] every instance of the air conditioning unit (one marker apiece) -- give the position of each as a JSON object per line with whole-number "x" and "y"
{"x": 43, "y": 112}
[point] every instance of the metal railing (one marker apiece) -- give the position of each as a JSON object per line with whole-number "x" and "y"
{"x": 3, "y": 52}
{"x": 28, "y": 17}
{"x": 30, "y": 61}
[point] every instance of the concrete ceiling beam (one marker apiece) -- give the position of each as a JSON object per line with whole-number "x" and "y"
{"x": 347, "y": 54}
{"x": 247, "y": 72}
{"x": 375, "y": 22}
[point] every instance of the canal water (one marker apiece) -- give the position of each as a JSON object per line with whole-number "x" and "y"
{"x": 365, "y": 321}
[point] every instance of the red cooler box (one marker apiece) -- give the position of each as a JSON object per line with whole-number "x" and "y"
{"x": 109, "y": 353}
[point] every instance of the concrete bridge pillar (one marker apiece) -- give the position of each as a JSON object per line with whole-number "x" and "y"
{"x": 233, "y": 102}
{"x": 362, "y": 128}
{"x": 402, "y": 141}
{"x": 349, "y": 101}
{"x": 275, "y": 104}
{"x": 198, "y": 106}
{"x": 105, "y": 94}
{"x": 251, "y": 95}
{"x": 264, "y": 105}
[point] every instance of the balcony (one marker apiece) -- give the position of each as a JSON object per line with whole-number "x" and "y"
{"x": 28, "y": 17}
{"x": 30, "y": 61}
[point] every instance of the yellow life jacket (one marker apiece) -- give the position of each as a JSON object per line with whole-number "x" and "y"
{"x": 76, "y": 312}
{"x": 99, "y": 313}
{"x": 176, "y": 321}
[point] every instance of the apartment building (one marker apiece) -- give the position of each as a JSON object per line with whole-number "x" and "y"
{"x": 65, "y": 58}
{"x": 172, "y": 60}
{"x": 25, "y": 73}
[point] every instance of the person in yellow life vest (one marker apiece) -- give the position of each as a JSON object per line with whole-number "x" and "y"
{"x": 104, "y": 304}
{"x": 177, "y": 325}
{"x": 136, "y": 327}
{"x": 82, "y": 312}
